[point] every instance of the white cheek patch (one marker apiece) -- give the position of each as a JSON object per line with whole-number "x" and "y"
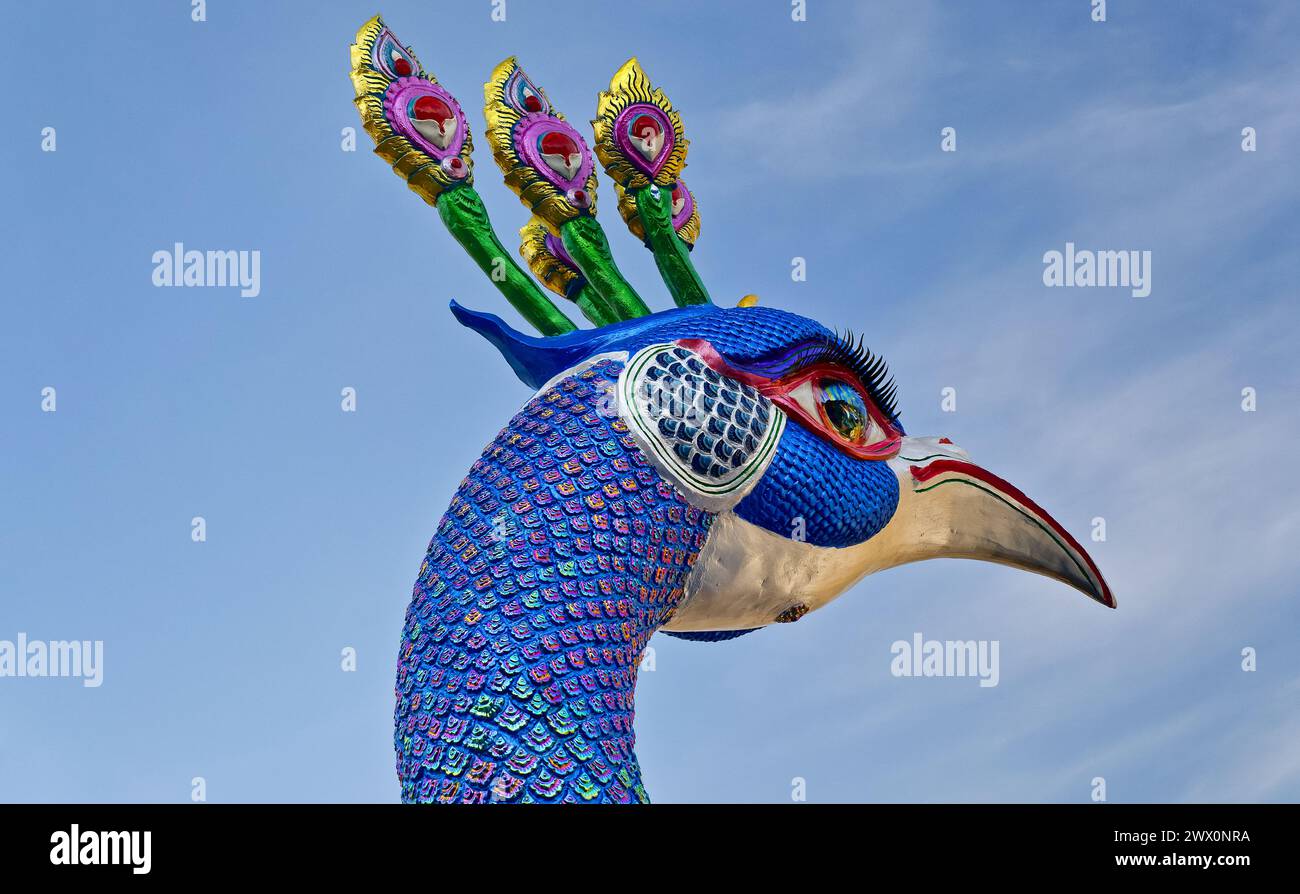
{"x": 711, "y": 436}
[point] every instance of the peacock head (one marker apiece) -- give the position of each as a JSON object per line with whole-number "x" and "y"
{"x": 786, "y": 431}
{"x": 791, "y": 434}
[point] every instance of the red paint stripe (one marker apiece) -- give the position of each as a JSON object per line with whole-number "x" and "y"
{"x": 939, "y": 466}
{"x": 778, "y": 391}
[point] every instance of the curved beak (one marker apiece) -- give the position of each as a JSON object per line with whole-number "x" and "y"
{"x": 951, "y": 508}
{"x": 948, "y": 507}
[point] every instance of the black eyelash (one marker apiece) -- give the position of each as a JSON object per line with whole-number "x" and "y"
{"x": 846, "y": 350}
{"x": 850, "y": 351}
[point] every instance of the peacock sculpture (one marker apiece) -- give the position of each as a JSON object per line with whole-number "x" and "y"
{"x": 703, "y": 471}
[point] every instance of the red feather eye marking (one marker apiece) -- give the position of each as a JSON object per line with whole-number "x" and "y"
{"x": 392, "y": 57}
{"x": 561, "y": 153}
{"x": 679, "y": 199}
{"x": 520, "y": 93}
{"x": 555, "y": 143}
{"x": 825, "y": 398}
{"x": 647, "y": 136}
{"x": 431, "y": 108}
{"x": 434, "y": 120}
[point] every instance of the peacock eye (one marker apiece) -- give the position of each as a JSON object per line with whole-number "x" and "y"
{"x": 841, "y": 409}
{"x": 845, "y": 417}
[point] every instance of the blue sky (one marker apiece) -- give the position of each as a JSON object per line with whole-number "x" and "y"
{"x": 817, "y": 139}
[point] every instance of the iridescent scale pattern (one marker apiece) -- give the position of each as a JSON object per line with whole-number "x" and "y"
{"x": 712, "y": 424}
{"x": 560, "y": 555}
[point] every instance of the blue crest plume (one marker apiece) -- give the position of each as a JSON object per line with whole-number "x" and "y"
{"x": 538, "y": 359}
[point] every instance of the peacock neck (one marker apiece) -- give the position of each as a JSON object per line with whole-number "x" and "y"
{"x": 561, "y": 554}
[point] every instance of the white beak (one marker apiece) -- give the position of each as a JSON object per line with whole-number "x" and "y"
{"x": 949, "y": 507}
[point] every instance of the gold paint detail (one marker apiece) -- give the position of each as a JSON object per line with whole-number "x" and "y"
{"x": 421, "y": 172}
{"x": 553, "y": 272}
{"x": 630, "y": 85}
{"x": 748, "y": 301}
{"x": 546, "y": 200}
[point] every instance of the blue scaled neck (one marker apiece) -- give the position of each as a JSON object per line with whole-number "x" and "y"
{"x": 560, "y": 555}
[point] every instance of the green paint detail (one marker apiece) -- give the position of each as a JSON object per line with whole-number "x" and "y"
{"x": 462, "y": 210}
{"x": 586, "y": 243}
{"x": 654, "y": 207}
{"x": 593, "y": 306}
{"x": 1046, "y": 530}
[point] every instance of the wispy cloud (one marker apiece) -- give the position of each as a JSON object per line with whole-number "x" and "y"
{"x": 1097, "y": 404}
{"x": 843, "y": 123}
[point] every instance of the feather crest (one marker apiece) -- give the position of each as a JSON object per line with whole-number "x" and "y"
{"x": 545, "y": 161}
{"x": 639, "y": 135}
{"x": 418, "y": 127}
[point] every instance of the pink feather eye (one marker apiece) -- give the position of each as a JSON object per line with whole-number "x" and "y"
{"x": 395, "y": 60}
{"x": 529, "y": 98}
{"x": 646, "y": 136}
{"x": 520, "y": 93}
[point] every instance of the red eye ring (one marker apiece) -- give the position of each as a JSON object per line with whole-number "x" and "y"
{"x": 780, "y": 391}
